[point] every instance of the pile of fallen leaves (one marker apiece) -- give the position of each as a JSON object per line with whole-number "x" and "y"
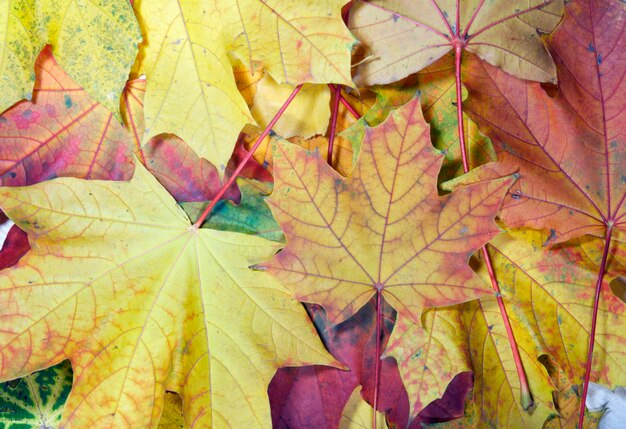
{"x": 311, "y": 214}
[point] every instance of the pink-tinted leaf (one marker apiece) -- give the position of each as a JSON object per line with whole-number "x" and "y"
{"x": 182, "y": 172}
{"x": 313, "y": 397}
{"x": 570, "y": 149}
{"x": 15, "y": 246}
{"x": 62, "y": 132}
{"x": 353, "y": 343}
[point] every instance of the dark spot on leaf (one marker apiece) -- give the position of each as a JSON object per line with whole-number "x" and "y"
{"x": 490, "y": 327}
{"x": 590, "y": 48}
{"x": 27, "y": 114}
{"x": 13, "y": 174}
{"x": 395, "y": 17}
{"x": 599, "y": 59}
{"x": 68, "y": 101}
{"x": 550, "y": 238}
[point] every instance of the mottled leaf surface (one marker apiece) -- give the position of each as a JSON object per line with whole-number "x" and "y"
{"x": 314, "y": 397}
{"x": 62, "y": 132}
{"x": 429, "y": 357}
{"x": 94, "y": 41}
{"x": 556, "y": 292}
{"x": 37, "y": 400}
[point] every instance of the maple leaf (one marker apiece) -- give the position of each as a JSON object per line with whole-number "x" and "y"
{"x": 568, "y": 148}
{"x": 405, "y": 36}
{"x": 555, "y": 291}
{"x": 383, "y": 229}
{"x": 429, "y": 357}
{"x": 139, "y": 301}
{"x": 185, "y": 175}
{"x": 566, "y": 399}
{"x": 313, "y": 397}
{"x": 437, "y": 86}
{"x": 251, "y": 215}
{"x": 14, "y": 247}
{"x": 62, "y": 132}
{"x": 96, "y": 43}
{"x": 36, "y": 401}
{"x": 191, "y": 88}
{"x": 497, "y": 389}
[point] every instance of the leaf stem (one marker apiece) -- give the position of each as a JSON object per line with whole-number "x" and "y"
{"x": 526, "y": 397}
{"x": 245, "y": 160}
{"x": 594, "y": 319}
{"x": 347, "y": 104}
{"x": 333, "y": 124}
{"x": 458, "y": 53}
{"x": 379, "y": 321}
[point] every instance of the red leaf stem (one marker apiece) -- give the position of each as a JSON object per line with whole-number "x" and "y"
{"x": 333, "y": 124}
{"x": 347, "y": 104}
{"x": 245, "y": 160}
{"x": 378, "y": 333}
{"x": 526, "y": 397}
{"x": 594, "y": 319}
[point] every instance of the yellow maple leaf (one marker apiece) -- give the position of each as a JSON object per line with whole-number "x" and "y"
{"x": 94, "y": 42}
{"x": 191, "y": 88}
{"x": 140, "y": 301}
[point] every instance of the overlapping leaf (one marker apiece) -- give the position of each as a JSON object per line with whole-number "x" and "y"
{"x": 308, "y": 113}
{"x": 314, "y": 397}
{"x": 119, "y": 283}
{"x": 437, "y": 86}
{"x": 570, "y": 149}
{"x": 497, "y": 390}
{"x": 37, "y": 400}
{"x": 385, "y": 228}
{"x": 358, "y": 414}
{"x": 191, "y": 88}
{"x": 95, "y": 42}
{"x": 62, "y": 132}
{"x": 429, "y": 357}
{"x": 556, "y": 292}
{"x": 404, "y": 36}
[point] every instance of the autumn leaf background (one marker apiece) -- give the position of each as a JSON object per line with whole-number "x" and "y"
{"x": 312, "y": 214}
